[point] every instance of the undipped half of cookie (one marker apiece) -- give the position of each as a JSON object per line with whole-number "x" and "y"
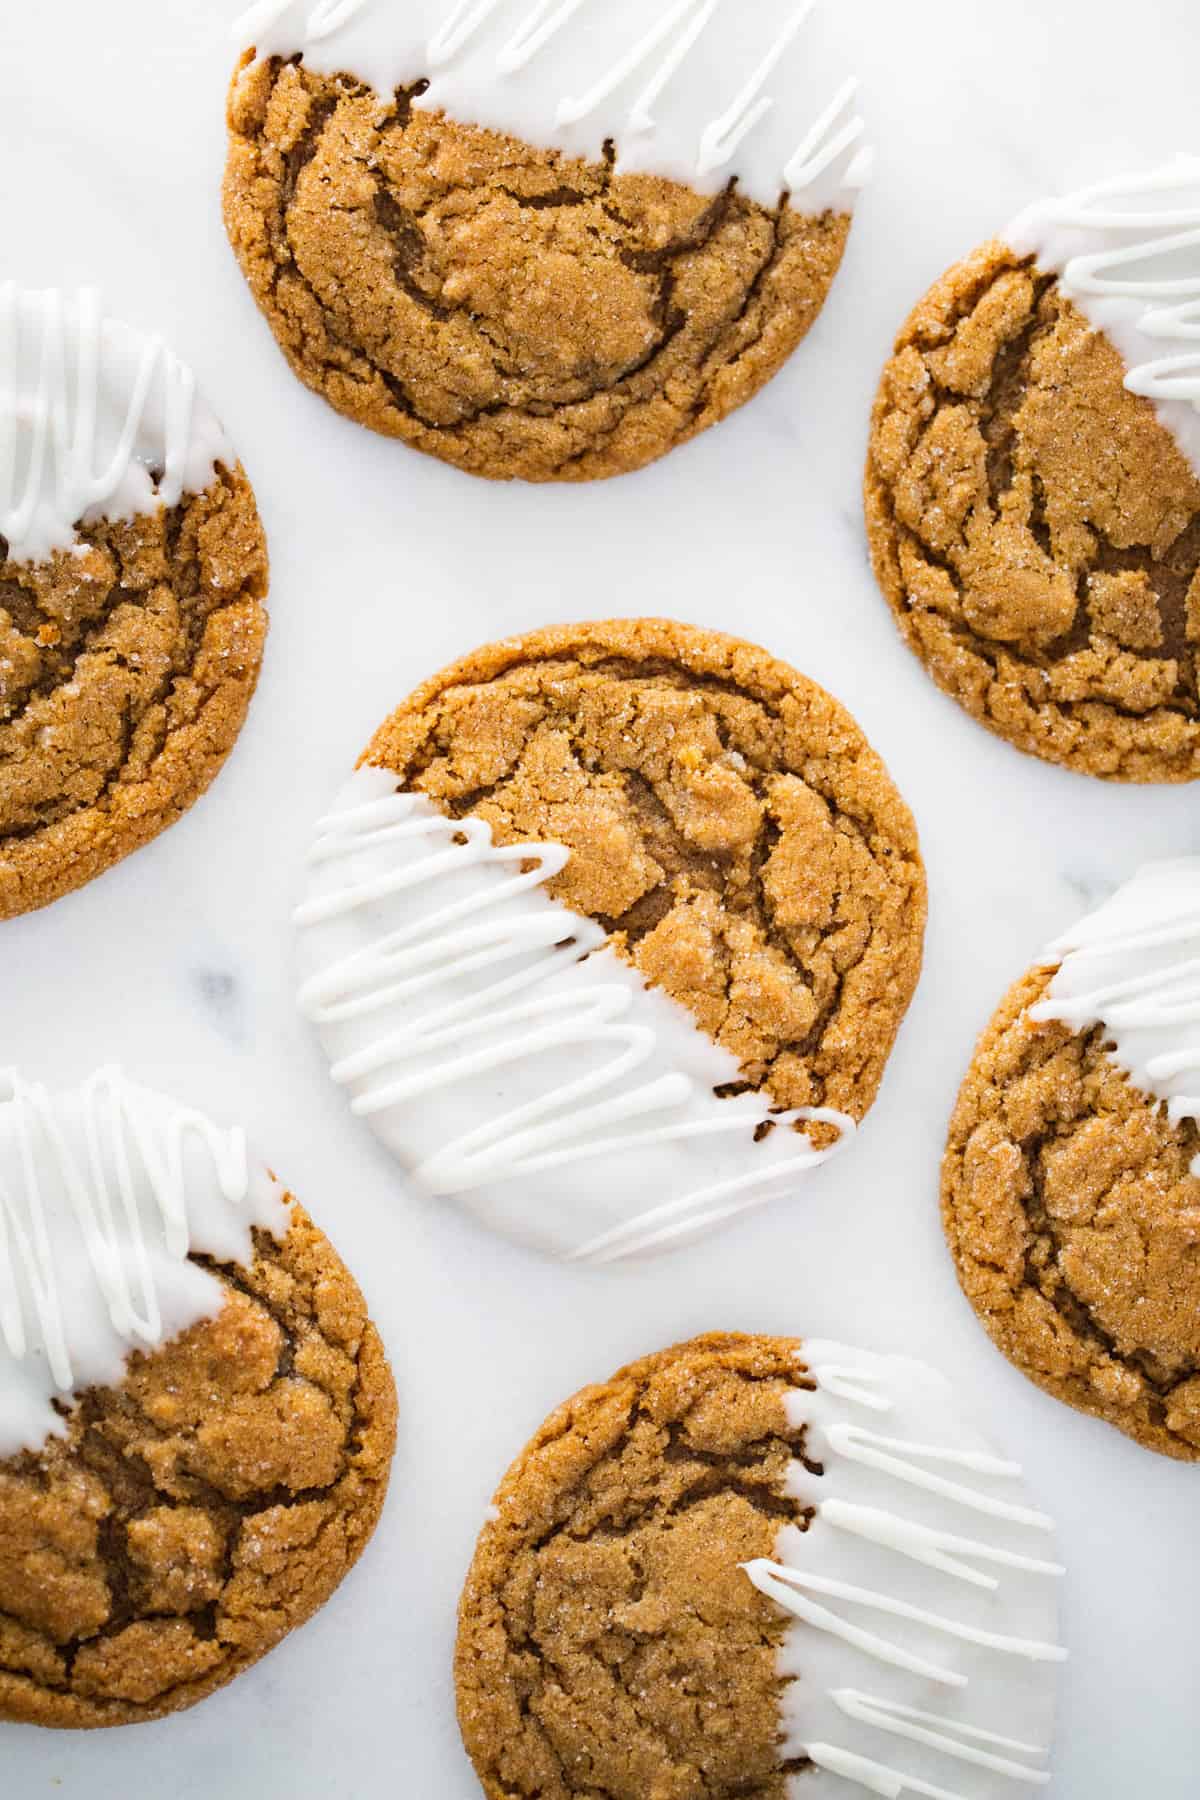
{"x": 197, "y": 1418}
{"x": 133, "y": 575}
{"x": 1071, "y": 1183}
{"x": 750, "y": 1565}
{"x": 611, "y": 933}
{"x": 533, "y": 239}
{"x": 1033, "y": 485}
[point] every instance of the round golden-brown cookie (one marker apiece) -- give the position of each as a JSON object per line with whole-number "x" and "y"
{"x": 1073, "y": 1216}
{"x": 716, "y": 936}
{"x": 515, "y": 311}
{"x": 133, "y": 577}
{"x": 679, "y": 1587}
{"x": 162, "y": 1530}
{"x": 1035, "y": 527}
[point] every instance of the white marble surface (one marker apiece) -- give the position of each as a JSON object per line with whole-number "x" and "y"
{"x": 387, "y": 565}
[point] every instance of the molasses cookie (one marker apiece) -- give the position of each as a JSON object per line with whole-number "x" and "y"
{"x": 132, "y": 579}
{"x": 1071, "y": 1184}
{"x": 196, "y": 1415}
{"x": 611, "y": 933}
{"x": 532, "y": 240}
{"x": 1033, "y": 485}
{"x": 754, "y": 1566}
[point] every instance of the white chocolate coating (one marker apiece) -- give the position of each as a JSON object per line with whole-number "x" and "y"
{"x": 1127, "y": 252}
{"x": 104, "y": 1193}
{"x": 507, "y": 1057}
{"x": 924, "y": 1653}
{"x": 1134, "y": 967}
{"x": 699, "y": 91}
{"x": 96, "y": 422}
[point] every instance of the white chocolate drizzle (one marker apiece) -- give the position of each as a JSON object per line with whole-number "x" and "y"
{"x": 966, "y": 1643}
{"x": 1127, "y": 252}
{"x": 508, "y": 1057}
{"x": 1133, "y": 967}
{"x": 96, "y": 422}
{"x": 105, "y": 1192}
{"x": 687, "y": 89}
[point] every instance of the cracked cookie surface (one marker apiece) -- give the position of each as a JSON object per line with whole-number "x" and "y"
{"x": 609, "y": 1644}
{"x": 728, "y": 824}
{"x": 1074, "y": 1222}
{"x": 126, "y": 668}
{"x": 195, "y": 1515}
{"x": 510, "y": 310}
{"x": 1036, "y": 529}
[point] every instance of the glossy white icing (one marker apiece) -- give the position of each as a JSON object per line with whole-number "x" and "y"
{"x": 1134, "y": 968}
{"x": 1127, "y": 252}
{"x": 104, "y": 1193}
{"x": 506, "y": 1056}
{"x": 96, "y": 422}
{"x": 923, "y": 1656}
{"x": 700, "y": 91}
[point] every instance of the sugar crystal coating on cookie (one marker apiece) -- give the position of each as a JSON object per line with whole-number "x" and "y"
{"x": 1033, "y": 483}
{"x": 1071, "y": 1183}
{"x": 196, "y": 1416}
{"x": 754, "y": 1563}
{"x": 542, "y": 242}
{"x": 610, "y": 935}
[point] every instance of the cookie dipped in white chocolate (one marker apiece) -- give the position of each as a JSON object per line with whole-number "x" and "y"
{"x": 1127, "y": 253}
{"x": 1133, "y": 967}
{"x": 508, "y": 1057}
{"x": 703, "y": 92}
{"x": 96, "y": 422}
{"x": 923, "y": 1654}
{"x": 105, "y": 1192}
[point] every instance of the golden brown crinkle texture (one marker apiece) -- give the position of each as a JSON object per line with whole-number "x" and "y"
{"x": 126, "y": 669}
{"x": 1036, "y": 529}
{"x": 609, "y": 1644}
{"x": 728, "y": 824}
{"x": 1074, "y": 1221}
{"x": 192, "y": 1517}
{"x": 513, "y": 311}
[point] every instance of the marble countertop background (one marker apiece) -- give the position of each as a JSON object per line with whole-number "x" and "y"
{"x": 387, "y": 565}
